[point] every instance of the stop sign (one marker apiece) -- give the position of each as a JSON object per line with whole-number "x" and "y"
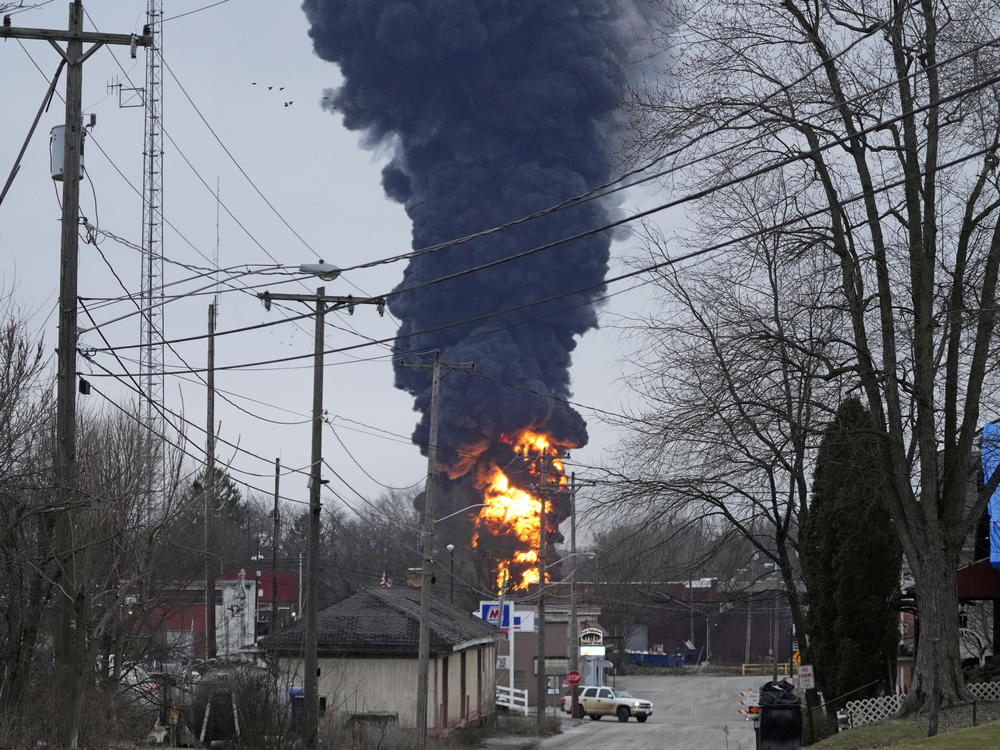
{"x": 573, "y": 678}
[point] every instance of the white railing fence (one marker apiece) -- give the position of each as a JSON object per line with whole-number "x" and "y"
{"x": 512, "y": 699}
{"x": 872, "y": 710}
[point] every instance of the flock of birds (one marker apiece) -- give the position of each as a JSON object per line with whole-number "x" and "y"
{"x": 271, "y": 88}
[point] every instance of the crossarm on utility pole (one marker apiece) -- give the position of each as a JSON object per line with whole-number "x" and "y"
{"x": 58, "y": 35}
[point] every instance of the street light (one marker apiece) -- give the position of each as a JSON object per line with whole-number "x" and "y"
{"x": 451, "y": 554}
{"x": 325, "y": 271}
{"x": 567, "y": 557}
{"x": 460, "y": 510}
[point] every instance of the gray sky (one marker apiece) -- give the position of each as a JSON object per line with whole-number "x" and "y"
{"x": 232, "y": 60}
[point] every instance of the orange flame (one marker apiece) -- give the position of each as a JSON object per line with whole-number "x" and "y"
{"x": 509, "y": 510}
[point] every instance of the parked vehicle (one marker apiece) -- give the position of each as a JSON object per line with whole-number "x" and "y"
{"x": 596, "y": 702}
{"x": 567, "y": 699}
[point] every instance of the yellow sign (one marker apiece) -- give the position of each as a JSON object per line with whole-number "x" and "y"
{"x": 798, "y": 658}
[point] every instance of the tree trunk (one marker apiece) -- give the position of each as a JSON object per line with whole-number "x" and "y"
{"x": 938, "y": 664}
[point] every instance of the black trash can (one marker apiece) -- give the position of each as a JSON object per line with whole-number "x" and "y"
{"x": 780, "y": 724}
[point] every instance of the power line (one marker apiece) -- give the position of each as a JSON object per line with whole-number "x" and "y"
{"x": 191, "y": 12}
{"x": 802, "y": 156}
{"x": 200, "y": 459}
{"x": 595, "y": 286}
{"x": 613, "y": 186}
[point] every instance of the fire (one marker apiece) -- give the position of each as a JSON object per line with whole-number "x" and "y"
{"x": 516, "y": 511}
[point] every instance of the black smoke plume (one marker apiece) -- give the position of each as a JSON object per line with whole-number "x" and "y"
{"x": 493, "y": 109}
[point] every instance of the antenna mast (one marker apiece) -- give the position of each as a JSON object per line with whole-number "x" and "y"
{"x": 152, "y": 254}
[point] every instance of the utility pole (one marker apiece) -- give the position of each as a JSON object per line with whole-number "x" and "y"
{"x": 510, "y": 634}
{"x": 427, "y": 543}
{"x": 311, "y": 681}
{"x": 311, "y": 677}
{"x": 574, "y": 637}
{"x": 541, "y": 686}
{"x": 71, "y": 634}
{"x": 574, "y": 624}
{"x": 427, "y": 555}
{"x": 211, "y": 647}
{"x": 274, "y": 553}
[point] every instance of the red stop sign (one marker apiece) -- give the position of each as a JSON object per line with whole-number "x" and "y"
{"x": 573, "y": 678}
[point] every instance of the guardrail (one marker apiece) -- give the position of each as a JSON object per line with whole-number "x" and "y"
{"x": 512, "y": 699}
{"x": 765, "y": 668}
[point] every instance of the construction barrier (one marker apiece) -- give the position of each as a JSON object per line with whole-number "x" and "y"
{"x": 784, "y": 668}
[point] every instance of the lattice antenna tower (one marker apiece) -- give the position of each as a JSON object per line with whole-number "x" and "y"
{"x": 152, "y": 255}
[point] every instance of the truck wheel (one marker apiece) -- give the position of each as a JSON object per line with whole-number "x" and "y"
{"x": 579, "y": 710}
{"x": 641, "y": 718}
{"x": 622, "y": 713}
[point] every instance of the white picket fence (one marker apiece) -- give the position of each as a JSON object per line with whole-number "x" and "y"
{"x": 872, "y": 710}
{"x": 985, "y": 691}
{"x": 512, "y": 698}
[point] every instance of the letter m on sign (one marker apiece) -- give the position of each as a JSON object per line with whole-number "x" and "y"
{"x": 493, "y": 615}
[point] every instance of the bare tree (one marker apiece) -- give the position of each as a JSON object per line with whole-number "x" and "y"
{"x": 738, "y": 371}
{"x": 884, "y": 118}
{"x": 26, "y": 498}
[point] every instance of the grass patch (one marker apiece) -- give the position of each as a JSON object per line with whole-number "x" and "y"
{"x": 503, "y": 725}
{"x": 907, "y": 735}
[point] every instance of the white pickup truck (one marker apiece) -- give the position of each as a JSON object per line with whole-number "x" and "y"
{"x": 596, "y": 702}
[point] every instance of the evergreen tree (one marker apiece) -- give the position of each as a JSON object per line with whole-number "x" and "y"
{"x": 851, "y": 562}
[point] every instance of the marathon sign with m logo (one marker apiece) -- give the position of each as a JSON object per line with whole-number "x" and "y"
{"x": 490, "y": 611}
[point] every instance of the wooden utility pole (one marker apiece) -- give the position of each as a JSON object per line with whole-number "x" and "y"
{"x": 71, "y": 635}
{"x": 574, "y": 625}
{"x": 541, "y": 685}
{"x": 274, "y": 553}
{"x": 211, "y": 648}
{"x": 427, "y": 543}
{"x": 427, "y": 557}
{"x": 311, "y": 676}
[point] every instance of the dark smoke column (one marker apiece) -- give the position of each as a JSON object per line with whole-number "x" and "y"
{"x": 494, "y": 109}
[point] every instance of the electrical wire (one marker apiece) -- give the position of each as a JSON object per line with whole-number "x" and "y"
{"x": 163, "y": 411}
{"x": 200, "y": 459}
{"x": 365, "y": 471}
{"x": 23, "y": 8}
{"x": 614, "y": 185}
{"x": 198, "y": 174}
{"x": 191, "y": 12}
{"x": 121, "y": 174}
{"x": 802, "y": 156}
{"x": 694, "y": 254}
{"x": 433, "y": 282}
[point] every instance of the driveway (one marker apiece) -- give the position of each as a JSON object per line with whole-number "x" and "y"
{"x": 688, "y": 712}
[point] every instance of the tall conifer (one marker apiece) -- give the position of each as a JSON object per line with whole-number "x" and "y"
{"x": 851, "y": 562}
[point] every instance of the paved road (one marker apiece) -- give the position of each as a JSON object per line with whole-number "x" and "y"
{"x": 689, "y": 713}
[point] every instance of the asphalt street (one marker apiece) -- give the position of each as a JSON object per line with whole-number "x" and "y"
{"x": 689, "y": 713}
